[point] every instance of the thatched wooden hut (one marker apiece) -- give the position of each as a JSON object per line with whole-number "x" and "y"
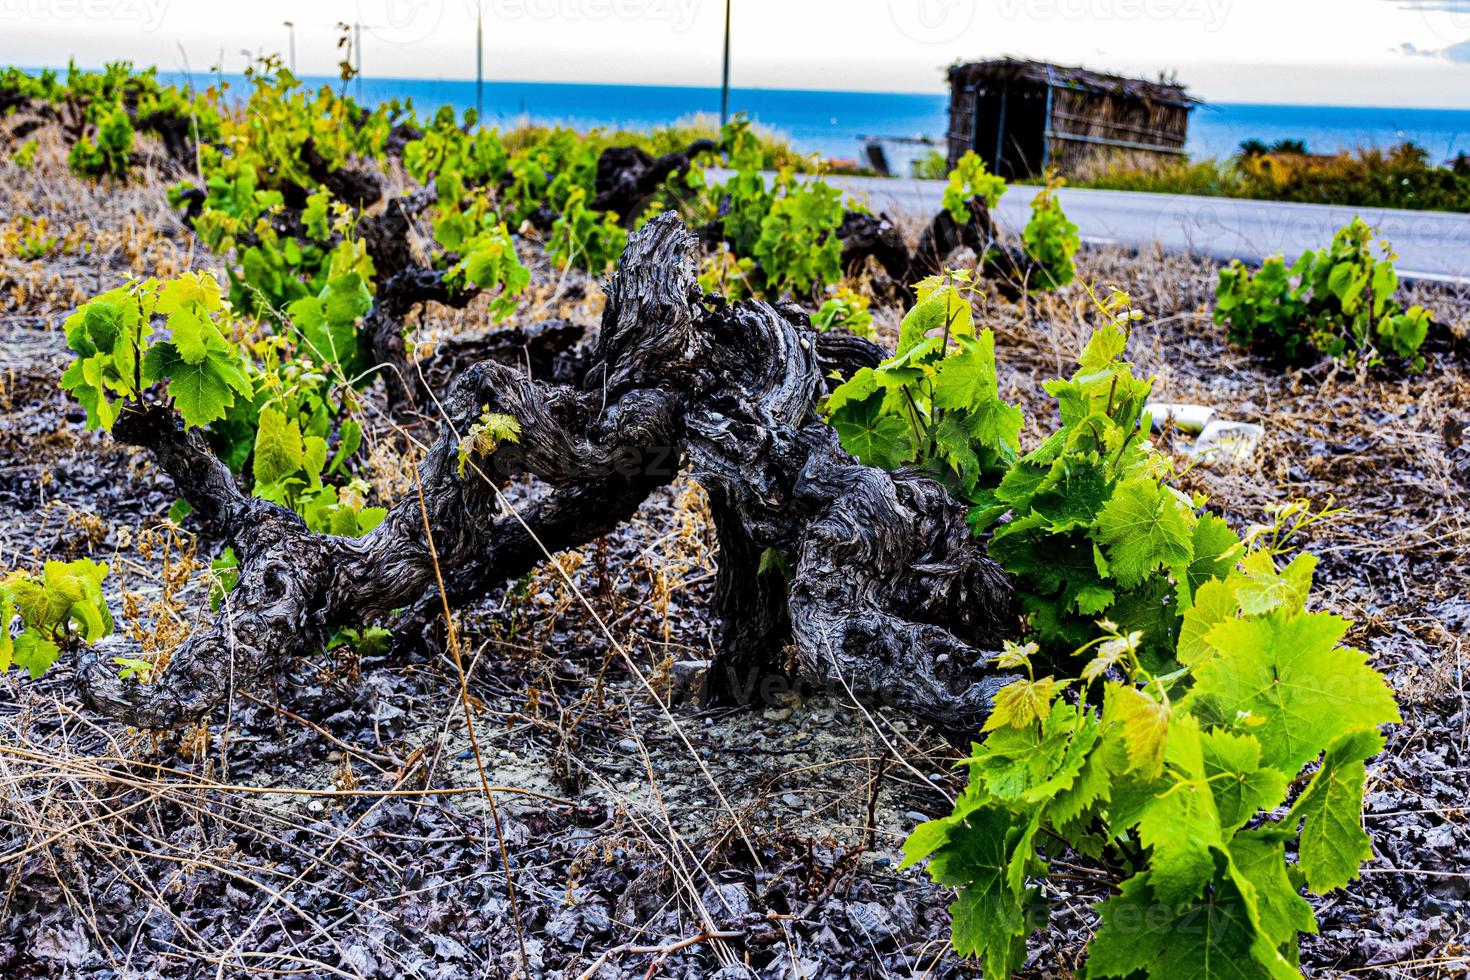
{"x": 1024, "y": 117}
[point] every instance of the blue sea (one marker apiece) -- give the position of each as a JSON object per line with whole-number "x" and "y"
{"x": 834, "y": 123}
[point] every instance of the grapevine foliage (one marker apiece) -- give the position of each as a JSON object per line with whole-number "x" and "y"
{"x": 283, "y": 417}
{"x": 726, "y": 274}
{"x": 785, "y": 234}
{"x": 970, "y": 178}
{"x": 1050, "y": 239}
{"x": 845, "y": 310}
{"x": 110, "y": 152}
{"x": 58, "y": 609}
{"x": 798, "y": 249}
{"x": 112, "y": 106}
{"x": 590, "y": 239}
{"x": 1093, "y": 529}
{"x": 487, "y": 434}
{"x": 1165, "y": 738}
{"x": 24, "y": 155}
{"x": 112, "y": 337}
{"x": 1339, "y": 302}
{"x": 935, "y": 403}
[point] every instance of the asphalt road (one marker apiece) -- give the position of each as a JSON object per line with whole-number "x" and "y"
{"x": 1431, "y": 245}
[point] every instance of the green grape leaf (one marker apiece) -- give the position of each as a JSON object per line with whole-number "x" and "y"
{"x": 1022, "y": 702}
{"x": 1261, "y": 588}
{"x": 369, "y": 518}
{"x": 1143, "y": 527}
{"x": 1181, "y": 825}
{"x": 1292, "y": 674}
{"x": 8, "y": 612}
{"x": 1214, "y": 603}
{"x": 35, "y": 653}
{"x": 278, "y": 447}
{"x": 1241, "y": 786}
{"x": 1216, "y": 550}
{"x": 987, "y": 916}
{"x": 1334, "y": 843}
{"x": 202, "y": 392}
{"x": 1260, "y": 859}
{"x": 349, "y": 441}
{"x": 877, "y": 439}
{"x": 997, "y": 423}
{"x": 953, "y": 441}
{"x": 1091, "y": 785}
{"x": 967, "y": 377}
{"x": 1072, "y": 492}
{"x": 190, "y": 289}
{"x": 313, "y": 459}
{"x": 854, "y": 390}
{"x": 1214, "y": 939}
{"x": 191, "y": 333}
{"x": 942, "y": 311}
{"x": 1106, "y": 344}
{"x": 1144, "y": 723}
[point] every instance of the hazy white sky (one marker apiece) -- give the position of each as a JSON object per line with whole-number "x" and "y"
{"x": 1359, "y": 52}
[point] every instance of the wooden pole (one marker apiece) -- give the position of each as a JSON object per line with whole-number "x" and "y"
{"x": 725, "y": 75}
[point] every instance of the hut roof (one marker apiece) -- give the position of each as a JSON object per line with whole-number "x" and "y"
{"x": 1009, "y": 69}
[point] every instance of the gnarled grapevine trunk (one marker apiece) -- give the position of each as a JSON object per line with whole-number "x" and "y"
{"x": 890, "y": 598}
{"x": 866, "y": 236}
{"x": 628, "y": 175}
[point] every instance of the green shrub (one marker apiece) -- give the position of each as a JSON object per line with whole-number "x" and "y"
{"x": 930, "y": 165}
{"x": 589, "y": 239}
{"x": 24, "y": 156}
{"x": 935, "y": 403}
{"x": 1173, "y": 727}
{"x": 1339, "y": 302}
{"x": 968, "y": 179}
{"x": 788, "y": 228}
{"x": 1050, "y": 239}
{"x": 58, "y": 610}
{"x": 109, "y": 154}
{"x": 1400, "y": 177}
{"x": 845, "y": 310}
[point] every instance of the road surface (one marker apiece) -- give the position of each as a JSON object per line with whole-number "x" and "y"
{"x": 1431, "y": 245}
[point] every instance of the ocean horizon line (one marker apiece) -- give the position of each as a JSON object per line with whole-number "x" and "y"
{"x": 939, "y": 92}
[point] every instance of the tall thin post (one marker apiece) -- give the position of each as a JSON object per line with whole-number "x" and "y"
{"x": 291, "y": 26}
{"x": 357, "y": 46}
{"x": 480, "y": 61}
{"x": 725, "y": 75}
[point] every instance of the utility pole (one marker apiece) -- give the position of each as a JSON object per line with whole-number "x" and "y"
{"x": 480, "y": 61}
{"x": 291, "y": 26}
{"x": 725, "y": 76}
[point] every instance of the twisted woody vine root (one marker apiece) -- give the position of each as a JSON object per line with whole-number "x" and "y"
{"x": 890, "y": 597}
